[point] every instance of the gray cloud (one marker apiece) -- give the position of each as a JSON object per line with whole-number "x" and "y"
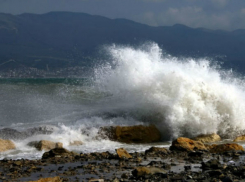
{"x": 213, "y": 14}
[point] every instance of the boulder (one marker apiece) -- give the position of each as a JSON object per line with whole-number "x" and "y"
{"x": 212, "y": 164}
{"x": 143, "y": 171}
{"x": 225, "y": 147}
{"x": 6, "y": 145}
{"x": 156, "y": 151}
{"x": 58, "y": 152}
{"x": 51, "y": 179}
{"x": 122, "y": 153}
{"x": 207, "y": 138}
{"x": 239, "y": 138}
{"x": 76, "y": 143}
{"x": 186, "y": 144}
{"x": 132, "y": 134}
{"x": 45, "y": 145}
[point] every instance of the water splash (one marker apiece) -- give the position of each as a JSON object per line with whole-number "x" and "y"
{"x": 183, "y": 96}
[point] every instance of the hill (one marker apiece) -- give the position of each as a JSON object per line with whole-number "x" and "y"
{"x": 63, "y": 39}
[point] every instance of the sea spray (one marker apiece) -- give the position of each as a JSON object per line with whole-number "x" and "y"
{"x": 183, "y": 97}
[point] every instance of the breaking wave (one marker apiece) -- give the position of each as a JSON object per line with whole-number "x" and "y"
{"x": 182, "y": 96}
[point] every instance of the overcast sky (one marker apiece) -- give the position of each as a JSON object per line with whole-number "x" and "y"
{"x": 212, "y": 14}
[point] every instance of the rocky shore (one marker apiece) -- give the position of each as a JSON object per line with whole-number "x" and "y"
{"x": 190, "y": 160}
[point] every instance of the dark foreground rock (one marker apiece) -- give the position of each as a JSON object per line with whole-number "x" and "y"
{"x": 154, "y": 164}
{"x": 132, "y": 134}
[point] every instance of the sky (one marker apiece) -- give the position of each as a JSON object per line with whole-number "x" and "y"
{"x": 211, "y": 14}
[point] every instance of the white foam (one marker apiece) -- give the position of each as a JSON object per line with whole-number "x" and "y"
{"x": 188, "y": 96}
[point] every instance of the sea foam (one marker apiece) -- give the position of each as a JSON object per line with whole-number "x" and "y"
{"x": 182, "y": 96}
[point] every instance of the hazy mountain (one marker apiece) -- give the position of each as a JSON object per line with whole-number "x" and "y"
{"x": 61, "y": 39}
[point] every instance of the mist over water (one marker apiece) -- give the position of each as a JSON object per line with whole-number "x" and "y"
{"x": 144, "y": 85}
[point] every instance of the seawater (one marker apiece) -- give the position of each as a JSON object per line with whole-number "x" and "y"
{"x": 131, "y": 86}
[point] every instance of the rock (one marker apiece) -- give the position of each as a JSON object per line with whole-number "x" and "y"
{"x": 52, "y": 179}
{"x": 58, "y": 152}
{"x": 45, "y": 145}
{"x": 239, "y": 138}
{"x": 132, "y": 134}
{"x": 96, "y": 180}
{"x": 6, "y": 145}
{"x": 186, "y": 144}
{"x": 122, "y": 153}
{"x": 208, "y": 138}
{"x": 212, "y": 164}
{"x": 225, "y": 147}
{"x": 156, "y": 151}
{"x": 143, "y": 171}
{"x": 76, "y": 142}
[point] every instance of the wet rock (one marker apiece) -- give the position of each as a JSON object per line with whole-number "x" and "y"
{"x": 76, "y": 143}
{"x": 6, "y": 145}
{"x": 132, "y": 134}
{"x": 143, "y": 171}
{"x": 212, "y": 164}
{"x": 156, "y": 151}
{"x": 96, "y": 180}
{"x": 208, "y": 138}
{"x": 52, "y": 179}
{"x": 122, "y": 153}
{"x": 45, "y": 145}
{"x": 58, "y": 152}
{"x": 239, "y": 138}
{"x": 225, "y": 147}
{"x": 186, "y": 144}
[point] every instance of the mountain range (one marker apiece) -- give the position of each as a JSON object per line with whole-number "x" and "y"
{"x": 65, "y": 39}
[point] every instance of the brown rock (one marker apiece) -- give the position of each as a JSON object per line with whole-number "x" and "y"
{"x": 6, "y": 145}
{"x": 52, "y": 179}
{"x": 208, "y": 138}
{"x": 132, "y": 134}
{"x": 96, "y": 180}
{"x": 239, "y": 138}
{"x": 156, "y": 150}
{"x": 45, "y": 145}
{"x": 58, "y": 152}
{"x": 186, "y": 144}
{"x": 76, "y": 142}
{"x": 225, "y": 147}
{"x": 142, "y": 171}
{"x": 122, "y": 153}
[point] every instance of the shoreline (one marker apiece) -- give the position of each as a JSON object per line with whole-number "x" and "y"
{"x": 155, "y": 164}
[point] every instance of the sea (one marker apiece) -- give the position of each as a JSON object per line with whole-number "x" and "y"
{"x": 181, "y": 96}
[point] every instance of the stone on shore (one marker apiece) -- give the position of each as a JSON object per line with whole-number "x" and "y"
{"x": 207, "y": 138}
{"x": 45, "y": 145}
{"x": 155, "y": 151}
{"x": 58, "y": 152}
{"x": 143, "y": 171}
{"x": 186, "y": 144}
{"x": 6, "y": 145}
{"x": 132, "y": 134}
{"x": 239, "y": 138}
{"x": 122, "y": 153}
{"x": 225, "y": 147}
{"x": 51, "y": 179}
